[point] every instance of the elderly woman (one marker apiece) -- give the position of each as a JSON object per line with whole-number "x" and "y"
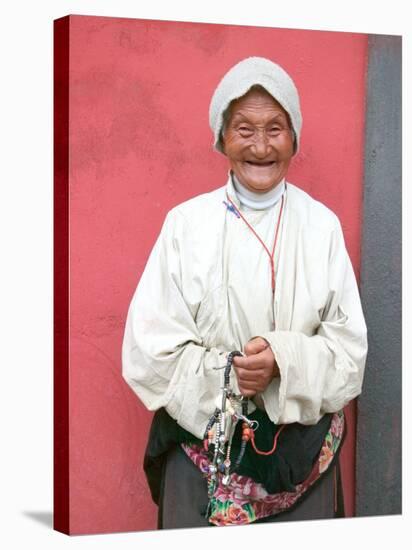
{"x": 246, "y": 332}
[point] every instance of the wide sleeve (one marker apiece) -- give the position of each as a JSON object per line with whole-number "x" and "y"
{"x": 321, "y": 373}
{"x": 163, "y": 357}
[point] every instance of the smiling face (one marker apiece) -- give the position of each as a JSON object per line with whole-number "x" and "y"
{"x": 258, "y": 140}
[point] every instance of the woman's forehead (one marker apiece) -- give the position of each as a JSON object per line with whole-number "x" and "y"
{"x": 256, "y": 101}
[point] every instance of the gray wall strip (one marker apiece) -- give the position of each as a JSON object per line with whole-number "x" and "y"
{"x": 379, "y": 427}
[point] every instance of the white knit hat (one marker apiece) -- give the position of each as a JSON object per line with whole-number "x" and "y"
{"x": 240, "y": 78}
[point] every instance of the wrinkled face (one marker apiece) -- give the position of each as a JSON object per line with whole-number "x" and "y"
{"x": 258, "y": 141}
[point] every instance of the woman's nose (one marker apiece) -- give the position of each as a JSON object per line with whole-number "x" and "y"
{"x": 260, "y": 146}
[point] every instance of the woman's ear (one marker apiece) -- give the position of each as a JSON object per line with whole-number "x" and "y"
{"x": 222, "y": 143}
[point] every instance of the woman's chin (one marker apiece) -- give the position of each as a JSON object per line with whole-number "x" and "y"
{"x": 259, "y": 186}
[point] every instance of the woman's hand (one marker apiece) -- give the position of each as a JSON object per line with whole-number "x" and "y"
{"x": 255, "y": 371}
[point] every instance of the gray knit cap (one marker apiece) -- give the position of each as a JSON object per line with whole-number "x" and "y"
{"x": 240, "y": 78}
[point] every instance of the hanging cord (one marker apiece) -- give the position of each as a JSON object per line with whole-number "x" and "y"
{"x": 275, "y": 442}
{"x": 270, "y": 254}
{"x": 245, "y": 402}
{"x": 228, "y": 367}
{"x": 210, "y": 424}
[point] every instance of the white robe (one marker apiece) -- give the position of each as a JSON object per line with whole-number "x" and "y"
{"x": 206, "y": 290}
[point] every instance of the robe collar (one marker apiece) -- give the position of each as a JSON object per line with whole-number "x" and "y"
{"x": 242, "y": 196}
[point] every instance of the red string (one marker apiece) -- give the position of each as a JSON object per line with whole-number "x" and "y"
{"x": 272, "y": 266}
{"x": 275, "y": 442}
{"x": 272, "y": 254}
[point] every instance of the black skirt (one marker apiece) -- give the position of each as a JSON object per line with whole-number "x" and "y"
{"x": 183, "y": 496}
{"x": 297, "y": 450}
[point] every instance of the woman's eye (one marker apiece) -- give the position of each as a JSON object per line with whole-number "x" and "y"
{"x": 245, "y": 130}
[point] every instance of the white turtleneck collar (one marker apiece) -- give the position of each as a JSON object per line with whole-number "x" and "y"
{"x": 258, "y": 201}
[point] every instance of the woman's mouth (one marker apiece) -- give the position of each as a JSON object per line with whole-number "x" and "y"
{"x": 260, "y": 163}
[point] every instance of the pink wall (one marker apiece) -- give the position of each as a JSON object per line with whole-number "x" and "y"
{"x": 139, "y": 144}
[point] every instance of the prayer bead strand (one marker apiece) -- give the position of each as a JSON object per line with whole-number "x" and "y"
{"x": 224, "y": 423}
